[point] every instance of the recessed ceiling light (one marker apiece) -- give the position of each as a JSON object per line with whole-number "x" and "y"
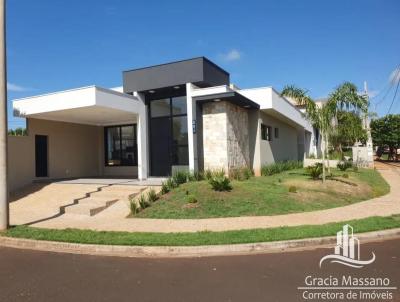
{"x": 217, "y": 100}
{"x": 151, "y": 91}
{"x": 246, "y": 106}
{"x": 176, "y": 87}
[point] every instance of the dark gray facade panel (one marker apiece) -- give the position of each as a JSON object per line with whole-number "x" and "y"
{"x": 214, "y": 75}
{"x": 199, "y": 71}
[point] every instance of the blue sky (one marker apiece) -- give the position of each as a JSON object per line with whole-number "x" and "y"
{"x": 57, "y": 44}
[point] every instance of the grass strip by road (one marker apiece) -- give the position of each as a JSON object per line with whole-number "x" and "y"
{"x": 201, "y": 238}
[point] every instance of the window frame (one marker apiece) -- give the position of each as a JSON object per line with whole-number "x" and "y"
{"x": 266, "y": 133}
{"x": 170, "y": 117}
{"x": 135, "y": 161}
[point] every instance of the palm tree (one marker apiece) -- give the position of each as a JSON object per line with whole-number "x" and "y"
{"x": 322, "y": 117}
{"x": 319, "y": 116}
{"x": 346, "y": 97}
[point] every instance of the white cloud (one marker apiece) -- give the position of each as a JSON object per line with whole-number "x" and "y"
{"x": 15, "y": 87}
{"x": 232, "y": 55}
{"x": 395, "y": 76}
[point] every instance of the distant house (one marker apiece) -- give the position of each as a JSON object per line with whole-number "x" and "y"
{"x": 179, "y": 115}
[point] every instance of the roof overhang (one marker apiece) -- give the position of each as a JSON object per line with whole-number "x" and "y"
{"x": 275, "y": 105}
{"x": 88, "y": 105}
{"x": 223, "y": 93}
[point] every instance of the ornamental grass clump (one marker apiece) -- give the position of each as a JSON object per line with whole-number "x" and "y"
{"x": 134, "y": 207}
{"x": 240, "y": 173}
{"x": 220, "y": 183}
{"x": 314, "y": 171}
{"x": 281, "y": 166}
{"x": 344, "y": 165}
{"x": 152, "y": 195}
{"x": 180, "y": 177}
{"x": 143, "y": 201}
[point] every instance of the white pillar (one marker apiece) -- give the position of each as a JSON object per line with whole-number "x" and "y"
{"x": 142, "y": 138}
{"x": 3, "y": 121}
{"x": 192, "y": 125}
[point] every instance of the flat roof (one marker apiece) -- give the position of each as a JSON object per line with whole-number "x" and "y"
{"x": 179, "y": 61}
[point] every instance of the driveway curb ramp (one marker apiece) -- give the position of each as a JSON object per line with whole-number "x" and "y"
{"x": 188, "y": 251}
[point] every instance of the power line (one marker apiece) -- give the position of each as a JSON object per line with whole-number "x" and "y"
{"x": 395, "y": 93}
{"x": 391, "y": 84}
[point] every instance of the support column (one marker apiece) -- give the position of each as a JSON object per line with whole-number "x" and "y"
{"x": 4, "y": 217}
{"x": 192, "y": 128}
{"x": 142, "y": 138}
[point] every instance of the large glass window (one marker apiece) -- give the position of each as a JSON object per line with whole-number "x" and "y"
{"x": 169, "y": 132}
{"x": 179, "y": 130}
{"x": 179, "y": 105}
{"x": 160, "y": 108}
{"x": 121, "y": 145}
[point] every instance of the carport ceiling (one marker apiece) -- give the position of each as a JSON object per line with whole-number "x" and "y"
{"x": 91, "y": 115}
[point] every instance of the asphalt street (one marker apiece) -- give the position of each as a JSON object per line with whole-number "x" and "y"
{"x": 45, "y": 276}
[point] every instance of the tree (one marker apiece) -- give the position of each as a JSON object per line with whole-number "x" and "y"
{"x": 348, "y": 130}
{"x": 385, "y": 132}
{"x": 319, "y": 117}
{"x": 324, "y": 117}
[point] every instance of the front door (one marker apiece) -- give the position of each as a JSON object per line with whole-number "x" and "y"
{"x": 160, "y": 146}
{"x": 168, "y": 135}
{"x": 41, "y": 155}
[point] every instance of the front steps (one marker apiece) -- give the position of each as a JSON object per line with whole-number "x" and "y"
{"x": 105, "y": 197}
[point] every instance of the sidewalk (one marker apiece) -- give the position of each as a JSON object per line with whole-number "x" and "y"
{"x": 113, "y": 219}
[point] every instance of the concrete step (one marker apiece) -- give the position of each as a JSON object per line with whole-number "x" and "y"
{"x": 90, "y": 206}
{"x": 113, "y": 195}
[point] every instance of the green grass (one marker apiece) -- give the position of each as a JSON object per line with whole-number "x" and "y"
{"x": 266, "y": 195}
{"x": 201, "y": 238}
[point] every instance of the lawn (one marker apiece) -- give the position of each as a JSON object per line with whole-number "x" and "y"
{"x": 201, "y": 238}
{"x": 268, "y": 195}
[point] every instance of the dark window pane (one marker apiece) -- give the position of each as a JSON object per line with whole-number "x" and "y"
{"x": 180, "y": 131}
{"x": 121, "y": 149}
{"x": 113, "y": 146}
{"x": 180, "y": 156}
{"x": 160, "y": 108}
{"x": 179, "y": 105}
{"x": 128, "y": 145}
{"x": 276, "y": 132}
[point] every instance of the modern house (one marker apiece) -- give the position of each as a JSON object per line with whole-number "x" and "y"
{"x": 179, "y": 115}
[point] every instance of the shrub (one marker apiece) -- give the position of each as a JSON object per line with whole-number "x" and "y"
{"x": 279, "y": 167}
{"x": 171, "y": 184}
{"x": 196, "y": 176}
{"x": 135, "y": 208}
{"x": 240, "y": 173}
{"x": 345, "y": 175}
{"x": 208, "y": 174}
{"x": 180, "y": 177}
{"x": 143, "y": 201}
{"x": 152, "y": 195}
{"x": 164, "y": 188}
{"x": 191, "y": 199}
{"x": 315, "y": 171}
{"x": 355, "y": 168}
{"x": 292, "y": 189}
{"x": 344, "y": 165}
{"x": 219, "y": 183}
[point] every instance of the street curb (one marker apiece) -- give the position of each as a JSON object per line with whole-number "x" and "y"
{"x": 187, "y": 251}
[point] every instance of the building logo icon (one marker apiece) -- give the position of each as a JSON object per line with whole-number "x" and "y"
{"x": 347, "y": 250}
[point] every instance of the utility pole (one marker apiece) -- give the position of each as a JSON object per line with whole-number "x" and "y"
{"x": 4, "y": 209}
{"x": 370, "y": 154}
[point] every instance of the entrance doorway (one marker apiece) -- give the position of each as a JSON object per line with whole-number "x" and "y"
{"x": 168, "y": 135}
{"x": 41, "y": 157}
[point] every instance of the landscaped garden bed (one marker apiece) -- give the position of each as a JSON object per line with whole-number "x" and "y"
{"x": 286, "y": 192}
